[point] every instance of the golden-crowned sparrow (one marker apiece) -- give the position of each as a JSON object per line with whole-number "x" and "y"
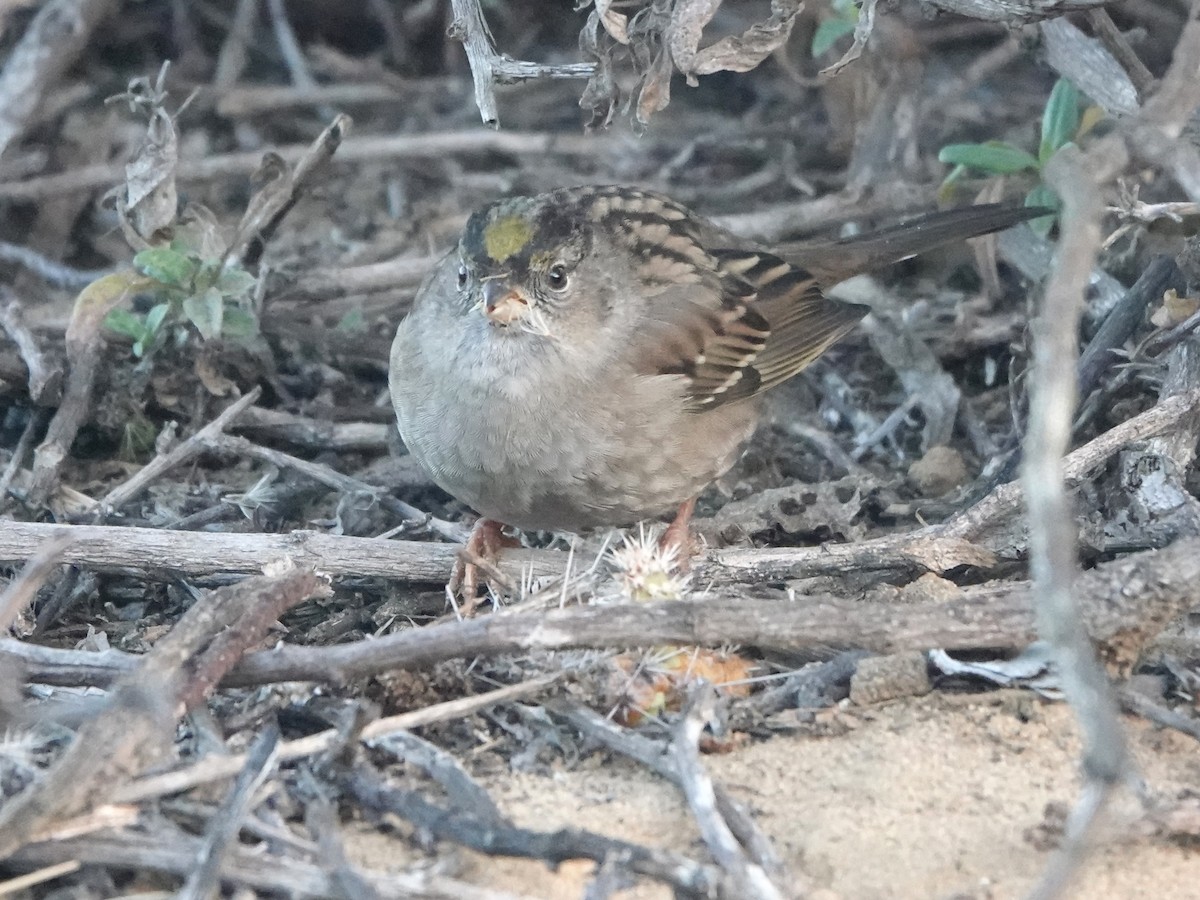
{"x": 595, "y": 356}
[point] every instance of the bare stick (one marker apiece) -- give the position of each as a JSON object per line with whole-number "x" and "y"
{"x": 32, "y": 427}
{"x": 362, "y": 149}
{"x": 137, "y": 726}
{"x": 50, "y": 271}
{"x": 21, "y": 589}
{"x": 55, "y": 37}
{"x": 1051, "y": 525}
{"x": 214, "y": 768}
{"x": 746, "y": 879}
{"x": 314, "y": 434}
{"x": 655, "y": 756}
{"x": 44, "y": 379}
{"x": 186, "y": 450}
{"x": 177, "y": 852}
{"x": 489, "y": 68}
{"x": 32, "y": 879}
{"x": 205, "y": 880}
{"x": 388, "y": 275}
{"x": 1123, "y": 603}
{"x": 1014, "y": 12}
{"x": 1118, "y": 46}
{"x": 503, "y": 839}
{"x": 239, "y": 446}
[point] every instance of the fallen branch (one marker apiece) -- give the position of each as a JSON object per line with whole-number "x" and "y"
{"x": 1123, "y": 604}
{"x": 137, "y": 726}
{"x": 354, "y": 150}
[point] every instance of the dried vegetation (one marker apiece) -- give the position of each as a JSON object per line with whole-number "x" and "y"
{"x": 225, "y": 634}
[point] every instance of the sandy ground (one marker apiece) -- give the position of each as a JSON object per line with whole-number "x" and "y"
{"x": 935, "y": 797}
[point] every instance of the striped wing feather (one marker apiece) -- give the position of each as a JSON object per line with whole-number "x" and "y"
{"x": 733, "y": 322}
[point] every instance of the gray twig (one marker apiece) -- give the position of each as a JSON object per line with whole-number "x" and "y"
{"x": 747, "y": 879}
{"x": 489, "y": 68}
{"x": 165, "y": 462}
{"x": 24, "y": 585}
{"x": 1051, "y": 526}
{"x": 205, "y": 880}
{"x": 44, "y": 379}
{"x": 49, "y": 46}
{"x": 52, "y": 272}
{"x": 1142, "y": 78}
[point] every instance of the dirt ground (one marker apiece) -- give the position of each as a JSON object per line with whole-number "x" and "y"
{"x": 939, "y": 796}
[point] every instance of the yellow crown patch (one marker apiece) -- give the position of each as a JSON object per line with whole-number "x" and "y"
{"x": 506, "y": 237}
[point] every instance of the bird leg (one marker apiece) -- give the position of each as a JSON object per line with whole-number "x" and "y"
{"x": 679, "y": 535}
{"x": 480, "y": 552}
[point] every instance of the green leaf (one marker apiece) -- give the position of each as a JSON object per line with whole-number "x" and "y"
{"x": 122, "y": 321}
{"x": 154, "y": 319}
{"x": 828, "y": 32}
{"x": 206, "y": 311}
{"x": 239, "y": 323}
{"x": 169, "y": 267}
{"x": 236, "y": 282}
{"x": 1043, "y": 196}
{"x": 1060, "y": 120}
{"x": 994, "y": 156}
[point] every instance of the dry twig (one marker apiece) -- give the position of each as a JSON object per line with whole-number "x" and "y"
{"x": 1051, "y": 526}
{"x": 489, "y": 68}
{"x": 55, "y": 37}
{"x": 746, "y": 879}
{"x": 138, "y": 724}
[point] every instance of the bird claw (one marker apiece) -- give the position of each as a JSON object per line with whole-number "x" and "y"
{"x": 480, "y": 553}
{"x": 679, "y": 536}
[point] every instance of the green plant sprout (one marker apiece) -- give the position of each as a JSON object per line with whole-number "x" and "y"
{"x": 1062, "y": 125}
{"x": 841, "y": 23}
{"x": 213, "y": 298}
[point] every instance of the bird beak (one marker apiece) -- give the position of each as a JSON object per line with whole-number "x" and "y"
{"x": 502, "y": 303}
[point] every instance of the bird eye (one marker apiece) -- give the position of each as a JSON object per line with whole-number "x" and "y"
{"x": 556, "y": 278}
{"x": 462, "y": 275}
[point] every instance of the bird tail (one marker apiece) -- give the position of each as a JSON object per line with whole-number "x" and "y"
{"x": 834, "y": 261}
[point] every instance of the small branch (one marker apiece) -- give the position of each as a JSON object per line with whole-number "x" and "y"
{"x": 137, "y": 726}
{"x": 504, "y": 839}
{"x": 215, "y": 768}
{"x": 1102, "y": 23}
{"x": 1052, "y": 535}
{"x": 314, "y": 434}
{"x": 1123, "y": 604}
{"x": 19, "y": 592}
{"x": 489, "y": 68}
{"x": 184, "y": 451}
{"x": 655, "y": 756}
{"x": 205, "y": 880}
{"x": 388, "y": 275}
{"x": 355, "y": 150}
{"x": 346, "y": 484}
{"x": 746, "y": 879}
{"x": 1120, "y": 324}
{"x": 53, "y": 273}
{"x": 176, "y": 853}
{"x": 44, "y": 380}
{"x": 1014, "y": 12}
{"x": 50, "y": 45}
